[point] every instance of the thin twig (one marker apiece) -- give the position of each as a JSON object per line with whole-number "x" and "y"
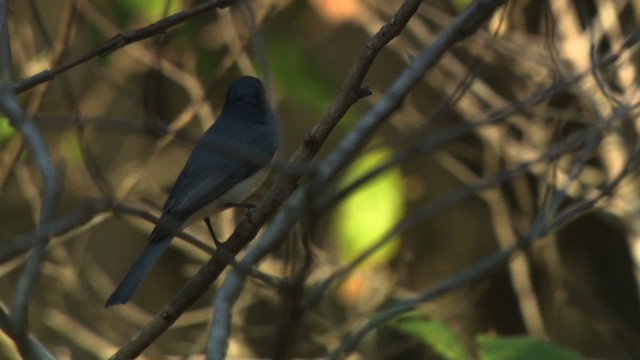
{"x": 40, "y": 154}
{"x": 123, "y": 39}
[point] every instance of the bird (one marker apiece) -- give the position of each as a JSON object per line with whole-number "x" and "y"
{"x": 213, "y": 177}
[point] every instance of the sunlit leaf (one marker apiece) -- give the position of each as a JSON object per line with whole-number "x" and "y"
{"x": 8, "y": 348}
{"x": 521, "y": 348}
{"x": 148, "y": 10}
{"x": 302, "y": 81}
{"x": 460, "y": 4}
{"x": 70, "y": 148}
{"x": 370, "y": 211}
{"x": 434, "y": 334}
{"x": 6, "y": 130}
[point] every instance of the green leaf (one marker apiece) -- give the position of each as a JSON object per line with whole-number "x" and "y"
{"x": 460, "y": 4}
{"x": 298, "y": 74}
{"x": 6, "y": 130}
{"x": 434, "y": 334}
{"x": 70, "y": 148}
{"x": 521, "y": 348}
{"x": 8, "y": 348}
{"x": 371, "y": 210}
{"x": 149, "y": 10}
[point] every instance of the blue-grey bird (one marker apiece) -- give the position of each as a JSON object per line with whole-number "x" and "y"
{"x": 213, "y": 179}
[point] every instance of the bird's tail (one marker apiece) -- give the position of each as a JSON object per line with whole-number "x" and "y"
{"x": 139, "y": 270}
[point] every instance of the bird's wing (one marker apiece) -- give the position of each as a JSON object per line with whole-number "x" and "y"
{"x": 202, "y": 181}
{"x": 210, "y": 171}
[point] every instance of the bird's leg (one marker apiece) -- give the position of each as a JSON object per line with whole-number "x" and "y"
{"x": 207, "y": 221}
{"x": 249, "y": 208}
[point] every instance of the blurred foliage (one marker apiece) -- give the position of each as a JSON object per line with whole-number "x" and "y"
{"x": 440, "y": 339}
{"x": 460, "y": 4}
{"x": 70, "y": 148}
{"x": 146, "y": 10}
{"x": 8, "y": 350}
{"x": 371, "y": 211}
{"x": 528, "y": 47}
{"x": 521, "y": 348}
{"x": 6, "y": 130}
{"x": 298, "y": 75}
{"x": 434, "y": 334}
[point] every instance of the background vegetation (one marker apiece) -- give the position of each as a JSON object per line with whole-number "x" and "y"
{"x": 500, "y": 219}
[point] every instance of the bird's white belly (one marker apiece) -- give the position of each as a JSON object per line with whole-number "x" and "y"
{"x": 236, "y": 195}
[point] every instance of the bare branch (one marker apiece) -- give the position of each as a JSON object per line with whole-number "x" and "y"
{"x": 49, "y": 173}
{"x": 122, "y": 40}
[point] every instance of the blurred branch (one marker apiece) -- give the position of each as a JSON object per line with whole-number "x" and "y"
{"x": 441, "y": 138}
{"x": 458, "y": 130}
{"x": 123, "y": 39}
{"x": 482, "y": 267}
{"x": 573, "y": 143}
{"x": 221, "y": 256}
{"x": 49, "y": 173}
{"x": 505, "y": 232}
{"x": 578, "y": 49}
{"x": 57, "y": 49}
{"x": 35, "y": 348}
{"x": 84, "y": 215}
{"x": 19, "y": 337}
{"x": 187, "y": 80}
{"x": 77, "y": 333}
{"x": 70, "y": 221}
{"x": 10, "y": 157}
